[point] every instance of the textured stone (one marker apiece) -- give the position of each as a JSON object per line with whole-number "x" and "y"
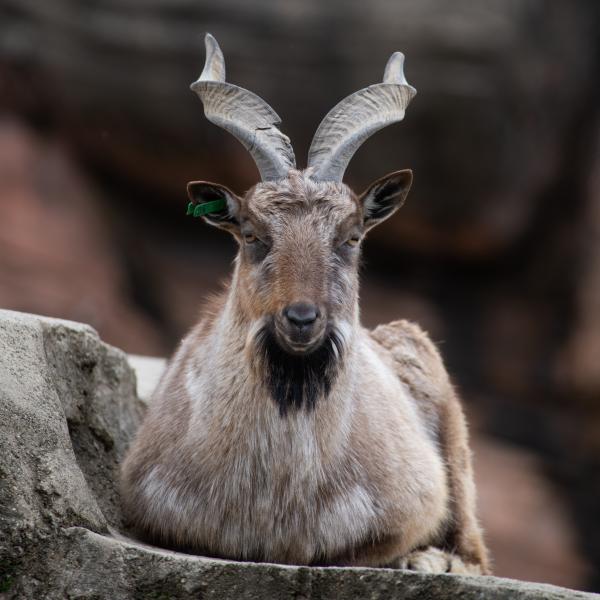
{"x": 68, "y": 408}
{"x": 88, "y": 565}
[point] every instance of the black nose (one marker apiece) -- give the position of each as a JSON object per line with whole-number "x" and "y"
{"x": 301, "y": 314}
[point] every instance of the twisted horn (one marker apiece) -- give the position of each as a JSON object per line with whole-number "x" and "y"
{"x": 350, "y": 122}
{"x": 245, "y": 115}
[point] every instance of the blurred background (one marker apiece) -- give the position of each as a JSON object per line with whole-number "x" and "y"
{"x": 496, "y": 254}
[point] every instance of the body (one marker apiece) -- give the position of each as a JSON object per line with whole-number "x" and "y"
{"x": 240, "y": 481}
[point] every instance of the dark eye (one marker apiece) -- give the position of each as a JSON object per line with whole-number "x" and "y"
{"x": 256, "y": 249}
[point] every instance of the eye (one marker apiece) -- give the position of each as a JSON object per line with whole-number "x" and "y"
{"x": 255, "y": 249}
{"x": 353, "y": 241}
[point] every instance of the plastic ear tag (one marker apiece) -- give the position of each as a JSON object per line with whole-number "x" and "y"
{"x": 199, "y": 210}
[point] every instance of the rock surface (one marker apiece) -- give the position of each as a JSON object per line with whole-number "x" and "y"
{"x": 68, "y": 408}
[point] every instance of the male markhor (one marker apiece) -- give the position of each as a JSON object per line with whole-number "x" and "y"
{"x": 283, "y": 430}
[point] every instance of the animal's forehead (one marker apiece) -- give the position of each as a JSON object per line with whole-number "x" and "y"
{"x": 300, "y": 195}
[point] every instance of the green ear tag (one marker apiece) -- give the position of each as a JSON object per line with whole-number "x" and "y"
{"x": 198, "y": 210}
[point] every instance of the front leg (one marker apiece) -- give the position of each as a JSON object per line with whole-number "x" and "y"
{"x": 420, "y": 368}
{"x": 463, "y": 535}
{"x": 434, "y": 560}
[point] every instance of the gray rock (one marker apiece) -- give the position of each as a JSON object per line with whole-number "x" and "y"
{"x": 68, "y": 408}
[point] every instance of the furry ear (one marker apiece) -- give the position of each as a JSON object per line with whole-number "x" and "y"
{"x": 383, "y": 197}
{"x": 225, "y": 212}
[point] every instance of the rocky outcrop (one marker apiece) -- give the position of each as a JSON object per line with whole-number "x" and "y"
{"x": 68, "y": 408}
{"x": 67, "y": 411}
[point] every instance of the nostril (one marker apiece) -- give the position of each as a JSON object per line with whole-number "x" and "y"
{"x": 301, "y": 313}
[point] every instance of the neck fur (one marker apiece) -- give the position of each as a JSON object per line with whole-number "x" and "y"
{"x": 294, "y": 383}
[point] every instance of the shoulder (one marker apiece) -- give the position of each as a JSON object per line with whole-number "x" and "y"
{"x": 415, "y": 359}
{"x": 410, "y": 347}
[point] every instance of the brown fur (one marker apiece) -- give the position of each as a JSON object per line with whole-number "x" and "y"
{"x": 376, "y": 473}
{"x": 420, "y": 368}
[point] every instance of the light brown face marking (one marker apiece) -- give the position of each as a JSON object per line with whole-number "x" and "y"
{"x": 294, "y": 250}
{"x": 299, "y": 248}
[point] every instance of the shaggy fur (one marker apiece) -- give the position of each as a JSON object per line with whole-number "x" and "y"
{"x": 353, "y": 452}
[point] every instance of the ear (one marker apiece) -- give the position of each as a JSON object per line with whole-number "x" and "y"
{"x": 382, "y": 198}
{"x": 224, "y": 214}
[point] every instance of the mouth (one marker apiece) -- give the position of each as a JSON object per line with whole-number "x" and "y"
{"x": 299, "y": 343}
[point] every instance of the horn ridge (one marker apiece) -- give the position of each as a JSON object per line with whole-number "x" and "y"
{"x": 357, "y": 117}
{"x": 245, "y": 115}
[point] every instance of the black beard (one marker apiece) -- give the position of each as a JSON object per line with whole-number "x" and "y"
{"x": 296, "y": 381}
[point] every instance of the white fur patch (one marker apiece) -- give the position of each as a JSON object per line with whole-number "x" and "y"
{"x": 160, "y": 493}
{"x": 352, "y": 512}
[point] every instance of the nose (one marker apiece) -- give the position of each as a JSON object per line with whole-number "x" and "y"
{"x": 301, "y": 314}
